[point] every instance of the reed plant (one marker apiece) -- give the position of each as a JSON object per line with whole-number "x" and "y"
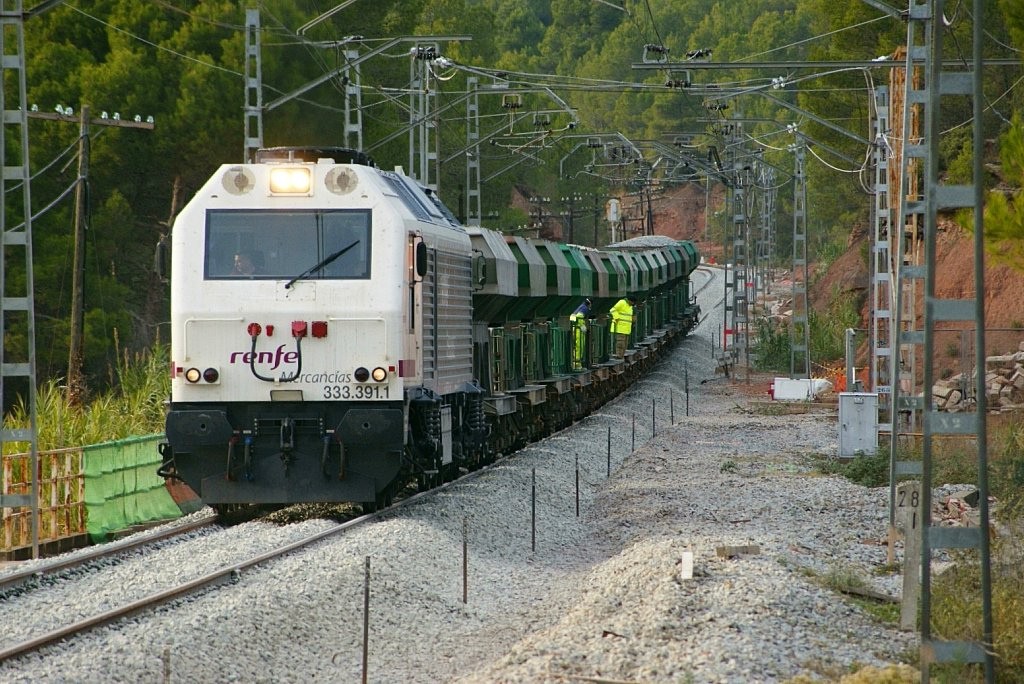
{"x": 133, "y": 407}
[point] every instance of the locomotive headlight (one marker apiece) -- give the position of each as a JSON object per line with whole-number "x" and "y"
{"x": 290, "y": 180}
{"x": 379, "y": 374}
{"x": 210, "y": 375}
{"x": 361, "y": 374}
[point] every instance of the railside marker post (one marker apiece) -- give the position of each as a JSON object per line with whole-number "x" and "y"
{"x": 465, "y": 559}
{"x": 533, "y": 511}
{"x": 366, "y": 617}
{"x": 609, "y": 451}
{"x": 671, "y": 407}
{"x": 686, "y": 566}
{"x": 908, "y": 515}
{"x": 632, "y": 443}
{"x": 577, "y": 485}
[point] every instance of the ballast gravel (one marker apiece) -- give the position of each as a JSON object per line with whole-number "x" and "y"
{"x": 549, "y": 595}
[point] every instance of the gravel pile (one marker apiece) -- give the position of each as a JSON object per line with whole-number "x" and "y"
{"x": 599, "y": 597}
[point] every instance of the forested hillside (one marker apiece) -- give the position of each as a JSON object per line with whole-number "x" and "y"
{"x": 574, "y": 103}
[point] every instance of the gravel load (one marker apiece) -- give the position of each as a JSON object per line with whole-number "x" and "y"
{"x": 550, "y": 596}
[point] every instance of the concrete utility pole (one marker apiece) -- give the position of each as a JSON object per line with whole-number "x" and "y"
{"x": 75, "y": 381}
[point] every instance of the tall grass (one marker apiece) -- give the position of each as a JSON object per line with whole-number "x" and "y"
{"x": 956, "y": 593}
{"x": 956, "y": 609}
{"x": 772, "y": 349}
{"x": 135, "y": 405}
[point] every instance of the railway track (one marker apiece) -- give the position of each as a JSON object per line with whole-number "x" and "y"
{"x": 210, "y": 623}
{"x": 23, "y": 578}
{"x": 222, "y": 575}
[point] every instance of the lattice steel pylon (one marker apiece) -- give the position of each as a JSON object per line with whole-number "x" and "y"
{"x": 253, "y": 110}
{"x": 736, "y": 328}
{"x": 800, "y": 326}
{"x": 473, "y": 183}
{"x": 766, "y": 239}
{"x": 740, "y": 262}
{"x": 924, "y": 95}
{"x": 908, "y": 93}
{"x": 424, "y": 136}
{"x": 17, "y": 309}
{"x": 882, "y": 293}
{"x": 351, "y": 76}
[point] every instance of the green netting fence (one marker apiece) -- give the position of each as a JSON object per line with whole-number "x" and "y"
{"x": 122, "y": 488}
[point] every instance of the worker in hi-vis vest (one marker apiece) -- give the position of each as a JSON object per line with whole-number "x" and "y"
{"x": 578, "y": 321}
{"x": 622, "y": 324}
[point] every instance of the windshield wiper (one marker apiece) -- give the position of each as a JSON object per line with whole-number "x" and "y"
{"x": 320, "y": 265}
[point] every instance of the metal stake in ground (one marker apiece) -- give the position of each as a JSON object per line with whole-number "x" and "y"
{"x": 577, "y": 485}
{"x": 609, "y": 451}
{"x": 366, "y": 617}
{"x": 671, "y": 407}
{"x": 533, "y": 510}
{"x": 465, "y": 560}
{"x": 653, "y": 414}
{"x": 686, "y": 385}
{"x": 632, "y": 443}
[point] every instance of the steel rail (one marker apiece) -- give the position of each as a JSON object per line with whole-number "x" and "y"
{"x": 227, "y": 573}
{"x": 21, "y": 577}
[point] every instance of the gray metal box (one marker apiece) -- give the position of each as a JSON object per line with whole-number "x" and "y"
{"x": 858, "y": 424}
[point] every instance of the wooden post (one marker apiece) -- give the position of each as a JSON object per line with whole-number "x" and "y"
{"x": 76, "y": 385}
{"x": 75, "y": 380}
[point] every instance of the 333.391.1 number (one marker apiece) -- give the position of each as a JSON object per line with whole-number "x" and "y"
{"x": 355, "y": 391}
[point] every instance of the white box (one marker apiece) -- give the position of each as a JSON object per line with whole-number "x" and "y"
{"x": 801, "y": 389}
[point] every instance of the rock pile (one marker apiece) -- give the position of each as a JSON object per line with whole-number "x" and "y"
{"x": 1004, "y": 383}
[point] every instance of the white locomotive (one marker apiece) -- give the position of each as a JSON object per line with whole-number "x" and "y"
{"x": 324, "y": 345}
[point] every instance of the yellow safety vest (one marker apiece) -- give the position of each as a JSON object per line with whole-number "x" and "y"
{"x": 622, "y": 317}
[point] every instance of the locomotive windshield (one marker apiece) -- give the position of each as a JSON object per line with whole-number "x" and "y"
{"x": 273, "y": 245}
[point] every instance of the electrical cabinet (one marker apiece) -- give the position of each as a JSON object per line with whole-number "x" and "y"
{"x": 858, "y": 424}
